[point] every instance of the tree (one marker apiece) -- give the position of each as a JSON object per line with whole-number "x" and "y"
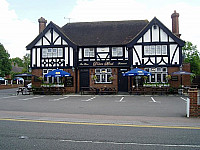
{"x": 5, "y": 62}
{"x": 17, "y": 61}
{"x": 192, "y": 56}
{"x": 26, "y": 63}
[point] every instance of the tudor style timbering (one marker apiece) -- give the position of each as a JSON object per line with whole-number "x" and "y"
{"x": 155, "y": 48}
{"x": 50, "y": 50}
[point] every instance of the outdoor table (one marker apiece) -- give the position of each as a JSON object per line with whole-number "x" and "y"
{"x": 23, "y": 90}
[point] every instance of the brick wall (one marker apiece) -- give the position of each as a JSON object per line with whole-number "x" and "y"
{"x": 194, "y": 106}
{"x": 185, "y": 78}
{"x": 38, "y": 73}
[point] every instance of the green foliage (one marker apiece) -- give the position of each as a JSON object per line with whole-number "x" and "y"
{"x": 17, "y": 61}
{"x": 192, "y": 56}
{"x": 25, "y": 62}
{"x": 5, "y": 63}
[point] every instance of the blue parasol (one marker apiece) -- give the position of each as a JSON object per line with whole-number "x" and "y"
{"x": 58, "y": 73}
{"x": 137, "y": 72}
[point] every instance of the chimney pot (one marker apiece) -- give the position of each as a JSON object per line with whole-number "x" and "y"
{"x": 175, "y": 23}
{"x": 42, "y": 24}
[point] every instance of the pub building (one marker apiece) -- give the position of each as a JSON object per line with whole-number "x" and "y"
{"x": 97, "y": 53}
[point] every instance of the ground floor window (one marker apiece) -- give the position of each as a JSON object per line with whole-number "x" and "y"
{"x": 158, "y": 75}
{"x": 50, "y": 79}
{"x": 103, "y": 75}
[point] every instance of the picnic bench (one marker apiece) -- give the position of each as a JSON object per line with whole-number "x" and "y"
{"x": 23, "y": 91}
{"x": 88, "y": 90}
{"x": 107, "y": 90}
{"x": 137, "y": 90}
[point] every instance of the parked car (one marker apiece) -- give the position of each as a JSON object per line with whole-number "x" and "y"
{"x": 29, "y": 86}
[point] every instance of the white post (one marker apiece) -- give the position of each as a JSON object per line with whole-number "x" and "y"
{"x": 188, "y": 108}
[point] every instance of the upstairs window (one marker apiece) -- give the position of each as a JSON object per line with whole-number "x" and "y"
{"x": 155, "y": 50}
{"x": 117, "y": 52}
{"x": 52, "y": 52}
{"x": 88, "y": 52}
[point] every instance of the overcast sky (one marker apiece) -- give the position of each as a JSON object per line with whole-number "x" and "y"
{"x": 19, "y": 18}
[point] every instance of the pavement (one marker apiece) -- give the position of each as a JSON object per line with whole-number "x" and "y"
{"x": 180, "y": 121}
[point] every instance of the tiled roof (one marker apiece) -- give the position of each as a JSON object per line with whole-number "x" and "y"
{"x": 103, "y": 33}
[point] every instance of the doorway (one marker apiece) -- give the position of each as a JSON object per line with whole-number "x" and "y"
{"x": 84, "y": 78}
{"x": 122, "y": 81}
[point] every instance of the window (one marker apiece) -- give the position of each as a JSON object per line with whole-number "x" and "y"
{"x": 117, "y": 51}
{"x": 158, "y": 75}
{"x": 155, "y": 50}
{"x": 103, "y": 75}
{"x": 52, "y": 52}
{"x": 88, "y": 52}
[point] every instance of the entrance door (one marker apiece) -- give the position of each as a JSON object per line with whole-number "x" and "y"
{"x": 84, "y": 78}
{"x": 122, "y": 81}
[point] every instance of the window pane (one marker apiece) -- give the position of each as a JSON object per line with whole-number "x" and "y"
{"x": 152, "y": 77}
{"x": 152, "y": 52}
{"x": 164, "y": 50}
{"x": 158, "y": 49}
{"x": 146, "y": 50}
{"x": 44, "y": 52}
{"x": 98, "y": 78}
{"x": 164, "y": 77}
{"x": 60, "y": 52}
{"x": 117, "y": 51}
{"x": 158, "y": 77}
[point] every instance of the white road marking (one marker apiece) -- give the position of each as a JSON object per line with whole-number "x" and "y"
{"x": 127, "y": 143}
{"x": 90, "y": 99}
{"x": 7, "y": 97}
{"x": 121, "y": 100}
{"x": 30, "y": 98}
{"x": 153, "y": 99}
{"x": 183, "y": 99}
{"x": 59, "y": 98}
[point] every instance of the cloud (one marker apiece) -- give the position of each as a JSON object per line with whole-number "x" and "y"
{"x": 15, "y": 34}
{"x": 104, "y": 10}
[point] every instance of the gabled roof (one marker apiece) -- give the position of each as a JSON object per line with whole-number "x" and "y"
{"x": 155, "y": 21}
{"x": 103, "y": 33}
{"x": 49, "y": 26}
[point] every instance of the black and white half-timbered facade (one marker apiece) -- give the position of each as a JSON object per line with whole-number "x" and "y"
{"x": 97, "y": 53}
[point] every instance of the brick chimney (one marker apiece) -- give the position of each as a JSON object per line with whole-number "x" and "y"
{"x": 175, "y": 23}
{"x": 42, "y": 24}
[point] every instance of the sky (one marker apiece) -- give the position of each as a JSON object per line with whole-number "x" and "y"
{"x": 19, "y": 18}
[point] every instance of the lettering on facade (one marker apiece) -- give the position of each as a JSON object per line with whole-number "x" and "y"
{"x": 122, "y": 63}
{"x": 103, "y": 64}
{"x": 84, "y": 64}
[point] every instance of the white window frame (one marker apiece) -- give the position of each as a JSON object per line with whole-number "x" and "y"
{"x": 52, "y": 52}
{"x": 117, "y": 51}
{"x": 89, "y": 52}
{"x": 155, "y": 72}
{"x": 155, "y": 50}
{"x": 104, "y": 74}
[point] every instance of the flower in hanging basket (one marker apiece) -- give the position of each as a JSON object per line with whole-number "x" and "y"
{"x": 94, "y": 77}
{"x": 111, "y": 78}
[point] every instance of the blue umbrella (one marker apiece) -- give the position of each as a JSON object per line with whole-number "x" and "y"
{"x": 58, "y": 73}
{"x": 137, "y": 72}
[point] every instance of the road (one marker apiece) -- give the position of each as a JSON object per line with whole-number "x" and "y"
{"x": 96, "y": 122}
{"x": 32, "y": 135}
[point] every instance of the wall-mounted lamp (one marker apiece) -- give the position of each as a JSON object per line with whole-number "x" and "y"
{"x": 73, "y": 68}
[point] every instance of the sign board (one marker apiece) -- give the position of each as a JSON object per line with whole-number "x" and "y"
{"x": 69, "y": 82}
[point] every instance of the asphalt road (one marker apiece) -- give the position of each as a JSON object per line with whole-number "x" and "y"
{"x": 96, "y": 122}
{"x": 30, "y": 135}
